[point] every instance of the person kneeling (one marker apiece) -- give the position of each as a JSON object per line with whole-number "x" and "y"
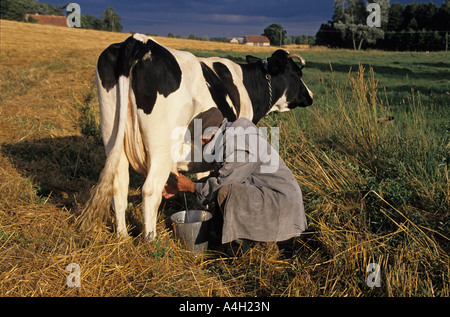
{"x": 257, "y": 193}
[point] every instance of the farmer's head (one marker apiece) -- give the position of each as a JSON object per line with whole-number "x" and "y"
{"x": 211, "y": 121}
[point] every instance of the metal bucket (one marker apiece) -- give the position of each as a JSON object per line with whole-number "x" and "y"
{"x": 192, "y": 228}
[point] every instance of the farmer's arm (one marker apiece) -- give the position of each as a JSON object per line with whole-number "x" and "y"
{"x": 230, "y": 173}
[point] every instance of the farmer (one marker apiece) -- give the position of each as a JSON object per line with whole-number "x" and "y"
{"x": 258, "y": 196}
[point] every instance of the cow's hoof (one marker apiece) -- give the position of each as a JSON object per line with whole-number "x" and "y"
{"x": 123, "y": 235}
{"x": 149, "y": 237}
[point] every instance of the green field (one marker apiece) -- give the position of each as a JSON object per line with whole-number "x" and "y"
{"x": 374, "y": 192}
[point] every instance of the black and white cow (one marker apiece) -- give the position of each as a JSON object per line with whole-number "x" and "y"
{"x": 146, "y": 90}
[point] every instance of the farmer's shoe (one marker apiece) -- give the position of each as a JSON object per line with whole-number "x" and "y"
{"x": 237, "y": 247}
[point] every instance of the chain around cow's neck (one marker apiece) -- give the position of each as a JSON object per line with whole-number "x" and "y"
{"x": 269, "y": 81}
{"x": 265, "y": 63}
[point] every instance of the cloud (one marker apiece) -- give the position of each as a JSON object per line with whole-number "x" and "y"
{"x": 228, "y": 18}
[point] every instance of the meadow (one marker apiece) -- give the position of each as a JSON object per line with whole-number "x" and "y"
{"x": 374, "y": 192}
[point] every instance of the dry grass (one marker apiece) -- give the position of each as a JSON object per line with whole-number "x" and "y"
{"x": 50, "y": 156}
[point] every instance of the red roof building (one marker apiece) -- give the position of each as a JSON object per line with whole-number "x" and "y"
{"x": 49, "y": 19}
{"x": 256, "y": 40}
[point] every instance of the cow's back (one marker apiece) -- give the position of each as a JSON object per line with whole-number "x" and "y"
{"x": 224, "y": 68}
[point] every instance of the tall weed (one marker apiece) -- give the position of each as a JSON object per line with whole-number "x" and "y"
{"x": 375, "y": 191}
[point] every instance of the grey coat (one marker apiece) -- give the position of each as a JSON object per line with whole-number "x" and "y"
{"x": 265, "y": 201}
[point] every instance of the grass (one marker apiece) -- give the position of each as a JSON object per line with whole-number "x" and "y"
{"x": 373, "y": 193}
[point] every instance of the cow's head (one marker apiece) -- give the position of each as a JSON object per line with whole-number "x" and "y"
{"x": 288, "y": 89}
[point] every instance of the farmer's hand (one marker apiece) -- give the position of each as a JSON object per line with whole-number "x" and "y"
{"x": 184, "y": 184}
{"x": 170, "y": 190}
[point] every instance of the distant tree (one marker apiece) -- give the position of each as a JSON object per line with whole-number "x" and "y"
{"x": 311, "y": 40}
{"x": 351, "y": 17}
{"x": 395, "y": 19}
{"x": 110, "y": 20}
{"x": 219, "y": 39}
{"x": 17, "y": 9}
{"x": 329, "y": 36}
{"x": 4, "y": 8}
{"x": 275, "y": 33}
{"x": 411, "y": 27}
{"x": 192, "y": 37}
{"x": 171, "y": 35}
{"x": 88, "y": 21}
{"x": 425, "y": 15}
{"x": 48, "y": 9}
{"x": 441, "y": 22}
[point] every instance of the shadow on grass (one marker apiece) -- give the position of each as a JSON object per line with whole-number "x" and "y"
{"x": 386, "y": 71}
{"x": 60, "y": 168}
{"x": 63, "y": 170}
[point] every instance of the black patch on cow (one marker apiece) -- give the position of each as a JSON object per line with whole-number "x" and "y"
{"x": 297, "y": 94}
{"x": 219, "y": 91}
{"x": 118, "y": 59}
{"x": 224, "y": 74}
{"x": 107, "y": 66}
{"x": 159, "y": 73}
{"x": 257, "y": 86}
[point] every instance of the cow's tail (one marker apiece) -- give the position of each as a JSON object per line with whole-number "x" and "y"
{"x": 97, "y": 208}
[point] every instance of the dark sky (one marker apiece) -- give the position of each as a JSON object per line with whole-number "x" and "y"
{"x": 217, "y": 17}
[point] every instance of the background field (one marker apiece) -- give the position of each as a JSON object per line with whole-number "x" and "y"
{"x": 373, "y": 192}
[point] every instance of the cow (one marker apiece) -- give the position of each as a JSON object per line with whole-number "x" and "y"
{"x": 145, "y": 90}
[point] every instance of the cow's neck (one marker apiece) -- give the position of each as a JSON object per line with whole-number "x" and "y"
{"x": 259, "y": 89}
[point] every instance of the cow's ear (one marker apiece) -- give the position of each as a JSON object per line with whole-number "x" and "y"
{"x": 252, "y": 59}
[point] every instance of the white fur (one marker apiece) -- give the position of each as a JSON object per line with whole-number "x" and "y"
{"x": 281, "y": 105}
{"x": 131, "y": 136}
{"x": 309, "y": 91}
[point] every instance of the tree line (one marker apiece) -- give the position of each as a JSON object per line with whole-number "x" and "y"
{"x": 278, "y": 36}
{"x": 274, "y": 37}
{"x": 422, "y": 27}
{"x": 109, "y": 21}
{"x": 17, "y": 10}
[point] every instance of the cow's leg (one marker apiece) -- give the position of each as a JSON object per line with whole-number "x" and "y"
{"x": 121, "y": 182}
{"x": 159, "y": 172}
